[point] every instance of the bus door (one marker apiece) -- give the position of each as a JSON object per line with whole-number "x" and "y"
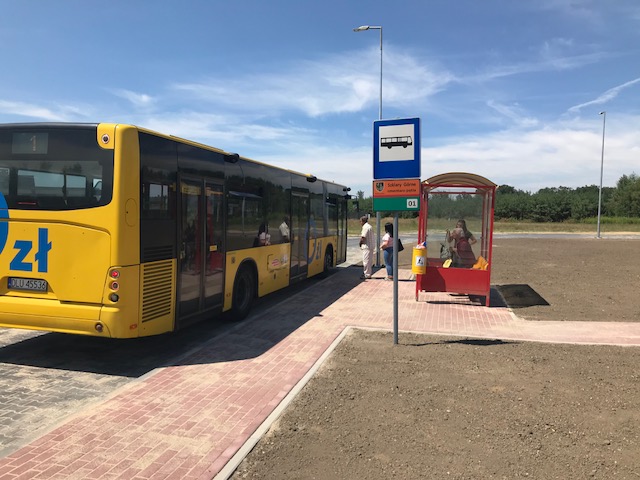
{"x": 341, "y": 254}
{"x": 201, "y": 253}
{"x": 300, "y": 234}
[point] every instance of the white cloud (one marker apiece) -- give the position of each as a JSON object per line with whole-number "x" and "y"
{"x": 582, "y": 10}
{"x": 321, "y": 135}
{"x": 526, "y": 153}
{"x": 605, "y": 97}
{"x": 343, "y": 83}
{"x": 564, "y": 153}
{"x": 514, "y": 113}
{"x": 31, "y": 111}
{"x": 560, "y": 155}
{"x": 237, "y": 134}
{"x": 140, "y": 100}
{"x": 556, "y": 155}
{"x": 548, "y": 61}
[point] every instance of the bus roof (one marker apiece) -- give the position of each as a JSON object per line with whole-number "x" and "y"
{"x": 159, "y": 134}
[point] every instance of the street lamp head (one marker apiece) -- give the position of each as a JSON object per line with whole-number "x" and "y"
{"x": 361, "y": 28}
{"x": 602, "y": 113}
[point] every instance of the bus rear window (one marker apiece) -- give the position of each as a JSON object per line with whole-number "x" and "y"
{"x": 54, "y": 168}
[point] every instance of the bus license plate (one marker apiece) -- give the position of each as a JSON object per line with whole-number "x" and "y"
{"x": 31, "y": 284}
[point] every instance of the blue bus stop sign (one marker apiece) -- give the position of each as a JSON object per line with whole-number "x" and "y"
{"x": 396, "y": 148}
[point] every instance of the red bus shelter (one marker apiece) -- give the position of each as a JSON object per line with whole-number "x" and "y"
{"x": 446, "y": 199}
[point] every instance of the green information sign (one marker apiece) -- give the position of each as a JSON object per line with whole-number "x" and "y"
{"x": 399, "y": 204}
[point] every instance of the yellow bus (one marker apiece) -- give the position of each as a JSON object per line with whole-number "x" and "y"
{"x": 117, "y": 231}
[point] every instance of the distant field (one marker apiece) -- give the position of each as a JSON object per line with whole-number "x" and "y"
{"x": 411, "y": 225}
{"x": 565, "y": 227}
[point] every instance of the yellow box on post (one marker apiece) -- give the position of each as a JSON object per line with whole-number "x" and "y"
{"x": 419, "y": 261}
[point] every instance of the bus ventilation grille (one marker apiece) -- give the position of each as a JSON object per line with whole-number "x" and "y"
{"x": 154, "y": 254}
{"x": 157, "y": 288}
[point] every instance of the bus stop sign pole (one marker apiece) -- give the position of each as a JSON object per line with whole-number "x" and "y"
{"x": 395, "y": 278}
{"x": 396, "y": 158}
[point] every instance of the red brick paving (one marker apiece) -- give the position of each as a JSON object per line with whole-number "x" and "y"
{"x": 197, "y": 419}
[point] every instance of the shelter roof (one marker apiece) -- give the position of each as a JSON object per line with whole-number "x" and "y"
{"x": 458, "y": 179}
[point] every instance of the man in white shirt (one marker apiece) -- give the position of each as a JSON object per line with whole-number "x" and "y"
{"x": 284, "y": 230}
{"x": 367, "y": 245}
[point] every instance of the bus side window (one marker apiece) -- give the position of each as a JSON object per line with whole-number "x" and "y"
{"x": 26, "y": 185}
{"x": 97, "y": 190}
{"x": 26, "y": 192}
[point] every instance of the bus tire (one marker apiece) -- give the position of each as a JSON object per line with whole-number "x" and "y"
{"x": 244, "y": 293}
{"x": 328, "y": 261}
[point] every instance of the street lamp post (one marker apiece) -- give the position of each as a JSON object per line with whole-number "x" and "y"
{"x": 373, "y": 27}
{"x": 362, "y": 28}
{"x": 604, "y": 121}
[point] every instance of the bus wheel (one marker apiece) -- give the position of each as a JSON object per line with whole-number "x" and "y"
{"x": 244, "y": 292}
{"x": 328, "y": 262}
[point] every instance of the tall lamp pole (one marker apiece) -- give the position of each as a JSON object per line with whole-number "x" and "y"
{"x": 373, "y": 27}
{"x": 604, "y": 121}
{"x": 362, "y": 28}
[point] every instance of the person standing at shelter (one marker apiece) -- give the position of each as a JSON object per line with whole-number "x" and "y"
{"x": 387, "y": 249}
{"x": 367, "y": 246}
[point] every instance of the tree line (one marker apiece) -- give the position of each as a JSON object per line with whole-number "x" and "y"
{"x": 555, "y": 204}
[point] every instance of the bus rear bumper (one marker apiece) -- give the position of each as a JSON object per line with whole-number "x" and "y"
{"x": 52, "y": 316}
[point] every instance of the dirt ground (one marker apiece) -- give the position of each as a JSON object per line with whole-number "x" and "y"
{"x": 579, "y": 279}
{"x": 439, "y": 407}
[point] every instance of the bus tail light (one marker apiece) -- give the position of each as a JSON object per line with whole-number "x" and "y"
{"x": 114, "y": 285}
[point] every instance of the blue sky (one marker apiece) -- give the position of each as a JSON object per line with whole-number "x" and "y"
{"x": 510, "y": 90}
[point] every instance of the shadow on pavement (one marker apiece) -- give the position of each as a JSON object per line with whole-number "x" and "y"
{"x": 482, "y": 342}
{"x": 521, "y": 296}
{"x": 265, "y": 327}
{"x": 495, "y": 299}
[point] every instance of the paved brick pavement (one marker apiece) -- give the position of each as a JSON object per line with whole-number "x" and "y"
{"x": 198, "y": 418}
